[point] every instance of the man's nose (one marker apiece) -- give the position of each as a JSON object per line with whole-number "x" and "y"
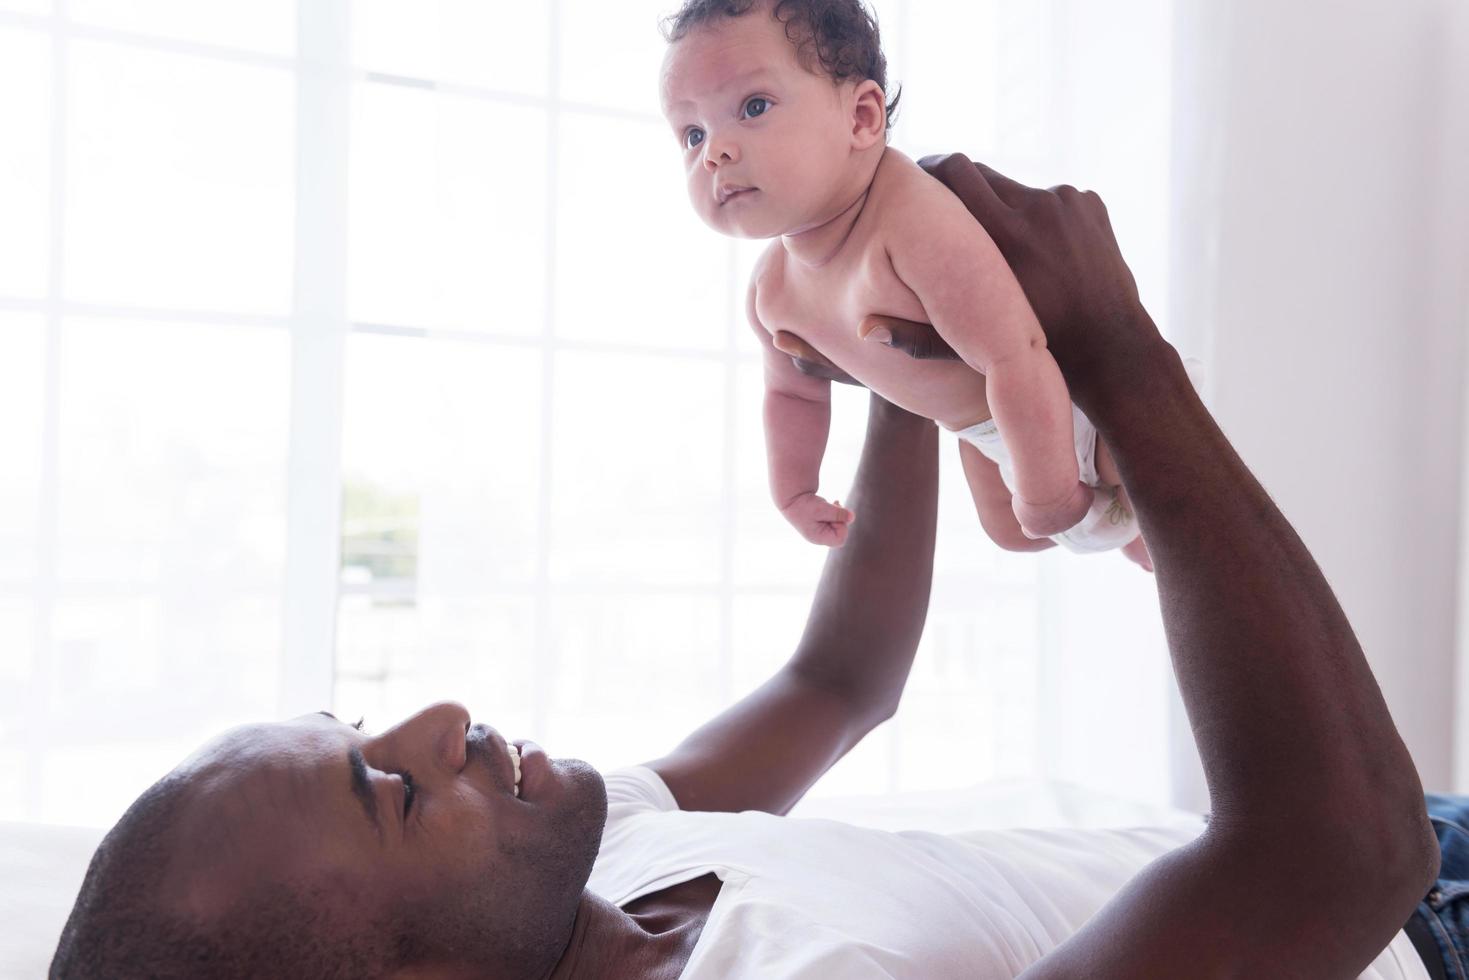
{"x": 437, "y": 732}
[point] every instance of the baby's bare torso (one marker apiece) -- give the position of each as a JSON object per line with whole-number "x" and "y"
{"x": 824, "y": 306}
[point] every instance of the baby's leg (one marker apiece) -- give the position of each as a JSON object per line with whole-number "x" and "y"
{"x": 992, "y": 502}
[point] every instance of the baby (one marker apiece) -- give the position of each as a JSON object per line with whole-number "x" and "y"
{"x": 779, "y": 110}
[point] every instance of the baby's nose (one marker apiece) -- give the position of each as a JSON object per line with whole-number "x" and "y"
{"x": 720, "y": 154}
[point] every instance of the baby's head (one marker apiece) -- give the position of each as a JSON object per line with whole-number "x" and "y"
{"x": 778, "y": 107}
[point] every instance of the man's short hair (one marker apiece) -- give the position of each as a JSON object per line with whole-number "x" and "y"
{"x": 841, "y": 36}
{"x": 127, "y": 921}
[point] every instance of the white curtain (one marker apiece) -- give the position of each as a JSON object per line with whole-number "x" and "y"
{"x": 366, "y": 353}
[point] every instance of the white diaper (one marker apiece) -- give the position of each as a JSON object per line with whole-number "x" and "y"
{"x": 1107, "y": 525}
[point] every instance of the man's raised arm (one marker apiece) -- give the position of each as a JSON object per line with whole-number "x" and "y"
{"x": 849, "y": 669}
{"x": 1319, "y": 846}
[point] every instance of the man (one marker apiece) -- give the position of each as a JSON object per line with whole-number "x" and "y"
{"x": 312, "y": 849}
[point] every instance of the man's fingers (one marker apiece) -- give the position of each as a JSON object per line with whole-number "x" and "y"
{"x": 1012, "y": 192}
{"x": 968, "y": 183}
{"x": 918, "y": 340}
{"x": 789, "y": 343}
{"x": 808, "y": 360}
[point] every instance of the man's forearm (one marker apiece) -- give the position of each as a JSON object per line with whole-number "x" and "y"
{"x": 1289, "y": 721}
{"x": 868, "y": 614}
{"x": 1319, "y": 846}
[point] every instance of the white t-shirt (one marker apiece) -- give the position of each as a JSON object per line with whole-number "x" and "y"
{"x": 824, "y": 900}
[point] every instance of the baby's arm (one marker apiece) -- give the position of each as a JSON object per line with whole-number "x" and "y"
{"x": 797, "y": 420}
{"x": 992, "y": 502}
{"x": 977, "y": 306}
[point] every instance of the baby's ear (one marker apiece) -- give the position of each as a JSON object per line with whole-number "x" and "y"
{"x": 869, "y": 115}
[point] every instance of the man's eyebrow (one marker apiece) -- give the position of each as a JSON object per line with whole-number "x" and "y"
{"x": 356, "y": 724}
{"x": 361, "y": 788}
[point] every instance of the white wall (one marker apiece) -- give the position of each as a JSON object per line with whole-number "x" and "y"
{"x": 1454, "y": 298}
{"x": 1319, "y": 259}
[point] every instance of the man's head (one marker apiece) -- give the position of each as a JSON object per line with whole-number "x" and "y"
{"x": 310, "y": 848}
{"x": 781, "y": 98}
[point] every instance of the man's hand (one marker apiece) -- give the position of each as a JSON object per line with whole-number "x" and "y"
{"x": 808, "y": 360}
{"x": 917, "y": 340}
{"x": 1060, "y": 245}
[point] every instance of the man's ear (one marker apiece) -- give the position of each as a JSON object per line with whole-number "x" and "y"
{"x": 869, "y": 115}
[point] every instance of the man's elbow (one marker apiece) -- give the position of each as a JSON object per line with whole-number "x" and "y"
{"x": 1385, "y": 867}
{"x": 1368, "y": 864}
{"x": 1407, "y": 857}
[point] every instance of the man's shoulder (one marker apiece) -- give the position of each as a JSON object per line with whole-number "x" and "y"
{"x": 637, "y": 788}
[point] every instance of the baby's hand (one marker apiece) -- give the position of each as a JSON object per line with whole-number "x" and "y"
{"x": 818, "y": 521}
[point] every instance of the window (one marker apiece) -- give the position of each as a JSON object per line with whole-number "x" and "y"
{"x": 365, "y": 353}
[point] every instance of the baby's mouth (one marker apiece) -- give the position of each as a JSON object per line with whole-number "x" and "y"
{"x": 732, "y": 191}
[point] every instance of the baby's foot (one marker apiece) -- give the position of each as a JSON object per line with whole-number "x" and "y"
{"x": 1137, "y": 551}
{"x": 1042, "y": 521}
{"x": 818, "y": 521}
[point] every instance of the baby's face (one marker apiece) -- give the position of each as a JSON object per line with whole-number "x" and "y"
{"x": 764, "y": 141}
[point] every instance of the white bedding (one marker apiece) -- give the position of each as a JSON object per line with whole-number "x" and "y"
{"x": 41, "y": 867}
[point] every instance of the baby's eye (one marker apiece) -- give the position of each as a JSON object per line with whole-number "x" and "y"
{"x": 756, "y": 106}
{"x": 693, "y": 138}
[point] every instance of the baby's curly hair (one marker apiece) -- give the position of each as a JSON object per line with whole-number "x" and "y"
{"x": 839, "y": 35}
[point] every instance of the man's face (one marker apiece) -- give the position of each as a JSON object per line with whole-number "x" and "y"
{"x": 417, "y": 830}
{"x": 745, "y": 114}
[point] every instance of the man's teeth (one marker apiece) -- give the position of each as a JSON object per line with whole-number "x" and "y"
{"x": 515, "y": 761}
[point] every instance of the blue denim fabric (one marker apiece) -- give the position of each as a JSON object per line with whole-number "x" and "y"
{"x": 1446, "y": 907}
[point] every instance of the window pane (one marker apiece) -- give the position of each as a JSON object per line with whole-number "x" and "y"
{"x": 448, "y": 212}
{"x": 173, "y": 445}
{"x": 159, "y": 674}
{"x": 22, "y": 407}
{"x": 497, "y": 46}
{"x": 17, "y": 663}
{"x": 635, "y": 263}
{"x": 615, "y": 658}
{"x": 181, "y": 188}
{"x": 947, "y": 103}
{"x": 442, "y": 449}
{"x": 16, "y": 705}
{"x": 25, "y": 164}
{"x": 765, "y": 632}
{"x": 611, "y": 53}
{"x": 260, "y": 25}
{"x": 15, "y": 766}
{"x": 394, "y": 658}
{"x": 972, "y": 693}
{"x": 747, "y": 253}
{"x": 637, "y": 470}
